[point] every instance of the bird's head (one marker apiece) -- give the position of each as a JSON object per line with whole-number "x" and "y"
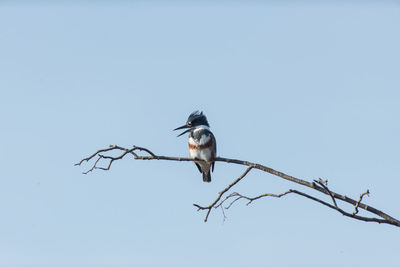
{"x": 195, "y": 119}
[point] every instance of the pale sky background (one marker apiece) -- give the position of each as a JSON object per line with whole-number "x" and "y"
{"x": 311, "y": 89}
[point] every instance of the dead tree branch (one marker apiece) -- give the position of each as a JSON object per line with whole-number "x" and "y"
{"x": 318, "y": 185}
{"x": 213, "y": 205}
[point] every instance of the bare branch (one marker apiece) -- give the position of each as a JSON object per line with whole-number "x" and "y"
{"x": 212, "y": 205}
{"x": 324, "y": 184}
{"x": 238, "y": 196}
{"x": 359, "y": 201}
{"x": 318, "y": 185}
{"x": 250, "y": 199}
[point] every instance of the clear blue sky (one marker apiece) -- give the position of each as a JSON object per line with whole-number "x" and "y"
{"x": 307, "y": 88}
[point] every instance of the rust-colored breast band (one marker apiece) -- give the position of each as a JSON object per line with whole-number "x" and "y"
{"x": 203, "y": 146}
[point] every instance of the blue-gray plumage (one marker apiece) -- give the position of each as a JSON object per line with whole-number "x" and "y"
{"x": 202, "y": 143}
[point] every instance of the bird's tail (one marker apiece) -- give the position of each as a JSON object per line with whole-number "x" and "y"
{"x": 207, "y": 176}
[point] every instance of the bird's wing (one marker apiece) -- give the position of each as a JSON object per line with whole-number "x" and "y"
{"x": 198, "y": 167}
{"x": 215, "y": 150}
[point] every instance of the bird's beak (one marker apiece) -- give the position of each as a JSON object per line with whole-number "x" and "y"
{"x": 183, "y": 127}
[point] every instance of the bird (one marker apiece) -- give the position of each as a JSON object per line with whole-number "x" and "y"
{"x": 202, "y": 143}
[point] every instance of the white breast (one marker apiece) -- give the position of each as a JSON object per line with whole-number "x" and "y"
{"x": 204, "y": 154}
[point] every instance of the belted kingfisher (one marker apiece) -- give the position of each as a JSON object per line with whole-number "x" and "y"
{"x": 202, "y": 144}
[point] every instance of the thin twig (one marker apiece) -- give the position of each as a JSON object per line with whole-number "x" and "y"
{"x": 237, "y": 196}
{"x": 324, "y": 185}
{"x": 359, "y": 201}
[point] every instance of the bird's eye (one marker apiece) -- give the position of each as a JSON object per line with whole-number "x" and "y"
{"x": 189, "y": 123}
